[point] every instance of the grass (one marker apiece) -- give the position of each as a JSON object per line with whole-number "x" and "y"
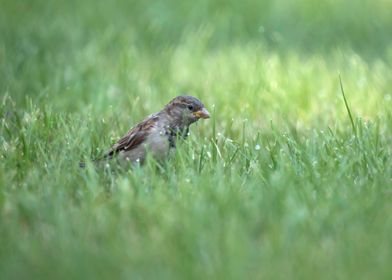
{"x": 290, "y": 178}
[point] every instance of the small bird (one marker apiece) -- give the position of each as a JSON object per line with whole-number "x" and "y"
{"x": 157, "y": 134}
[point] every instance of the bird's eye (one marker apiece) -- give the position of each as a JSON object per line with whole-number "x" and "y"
{"x": 190, "y": 107}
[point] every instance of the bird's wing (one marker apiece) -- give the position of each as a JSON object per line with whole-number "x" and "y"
{"x": 134, "y": 137}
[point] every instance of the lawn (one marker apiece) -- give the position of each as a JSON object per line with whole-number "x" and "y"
{"x": 285, "y": 181}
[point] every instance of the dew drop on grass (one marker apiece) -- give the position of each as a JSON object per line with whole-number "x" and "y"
{"x": 257, "y": 147}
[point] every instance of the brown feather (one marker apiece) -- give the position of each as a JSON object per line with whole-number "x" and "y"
{"x": 134, "y": 137}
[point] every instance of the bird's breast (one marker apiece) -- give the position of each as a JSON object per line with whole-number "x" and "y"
{"x": 158, "y": 144}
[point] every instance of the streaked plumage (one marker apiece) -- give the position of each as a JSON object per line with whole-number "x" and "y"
{"x": 158, "y": 133}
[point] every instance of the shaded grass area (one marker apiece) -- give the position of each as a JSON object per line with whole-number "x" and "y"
{"x": 305, "y": 25}
{"x": 277, "y": 184}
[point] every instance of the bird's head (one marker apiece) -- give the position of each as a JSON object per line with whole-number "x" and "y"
{"x": 186, "y": 110}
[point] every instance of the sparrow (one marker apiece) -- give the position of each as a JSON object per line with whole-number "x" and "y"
{"x": 158, "y": 133}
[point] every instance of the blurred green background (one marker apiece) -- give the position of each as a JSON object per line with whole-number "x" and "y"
{"x": 94, "y": 49}
{"x": 276, "y": 185}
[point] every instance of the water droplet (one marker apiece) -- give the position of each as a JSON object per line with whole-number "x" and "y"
{"x": 257, "y": 147}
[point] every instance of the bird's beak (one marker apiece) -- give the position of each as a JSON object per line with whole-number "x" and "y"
{"x": 202, "y": 114}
